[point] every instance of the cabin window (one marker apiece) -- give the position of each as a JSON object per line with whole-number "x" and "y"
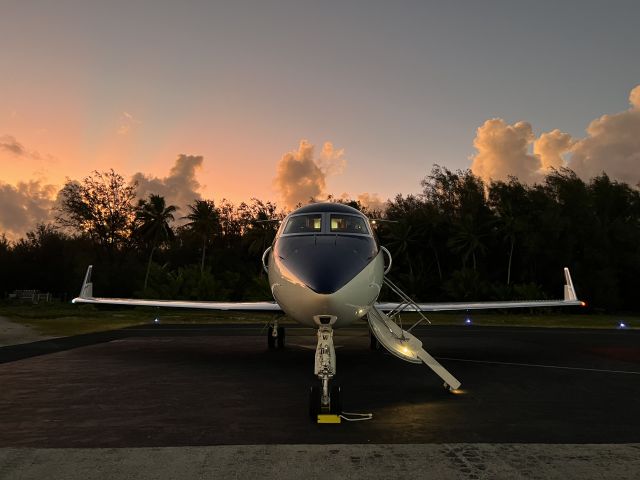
{"x": 304, "y": 224}
{"x": 348, "y": 224}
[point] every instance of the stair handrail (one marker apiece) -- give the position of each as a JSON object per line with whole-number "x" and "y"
{"x": 406, "y": 302}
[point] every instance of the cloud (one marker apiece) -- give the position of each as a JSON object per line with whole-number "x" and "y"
{"x": 634, "y": 97}
{"x": 372, "y": 201}
{"x": 551, "y": 147}
{"x": 127, "y": 123}
{"x": 27, "y": 204}
{"x": 300, "y": 176}
{"x": 24, "y": 206}
{"x": 11, "y": 145}
{"x": 331, "y": 161}
{"x": 504, "y": 150}
{"x": 15, "y": 158}
{"x": 179, "y": 188}
{"x": 612, "y": 145}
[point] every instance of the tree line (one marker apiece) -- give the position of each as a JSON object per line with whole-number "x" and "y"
{"x": 459, "y": 239}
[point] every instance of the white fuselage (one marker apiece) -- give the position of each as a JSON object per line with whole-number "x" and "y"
{"x": 344, "y": 306}
{"x": 325, "y": 266}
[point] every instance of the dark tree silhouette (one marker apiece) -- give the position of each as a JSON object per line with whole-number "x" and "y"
{"x": 458, "y": 239}
{"x": 468, "y": 239}
{"x": 100, "y": 206}
{"x": 153, "y": 217}
{"x": 510, "y": 202}
{"x": 204, "y": 221}
{"x": 260, "y": 222}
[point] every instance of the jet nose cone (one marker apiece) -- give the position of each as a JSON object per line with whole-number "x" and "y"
{"x": 321, "y": 275}
{"x": 325, "y": 264}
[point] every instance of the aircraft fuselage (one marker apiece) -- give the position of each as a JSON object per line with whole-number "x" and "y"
{"x": 325, "y": 266}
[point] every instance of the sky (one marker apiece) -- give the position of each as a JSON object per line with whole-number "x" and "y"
{"x": 283, "y": 100}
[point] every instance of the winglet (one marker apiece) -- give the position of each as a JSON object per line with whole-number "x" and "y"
{"x": 87, "y": 287}
{"x": 569, "y": 291}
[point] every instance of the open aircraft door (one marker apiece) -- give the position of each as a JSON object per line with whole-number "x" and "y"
{"x": 405, "y": 346}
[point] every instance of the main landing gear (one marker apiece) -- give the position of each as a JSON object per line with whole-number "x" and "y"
{"x": 322, "y": 399}
{"x": 275, "y": 336}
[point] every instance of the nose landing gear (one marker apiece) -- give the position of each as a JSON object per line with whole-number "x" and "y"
{"x": 323, "y": 400}
{"x": 315, "y": 402}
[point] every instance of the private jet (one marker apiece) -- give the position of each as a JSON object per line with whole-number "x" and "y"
{"x": 326, "y": 270}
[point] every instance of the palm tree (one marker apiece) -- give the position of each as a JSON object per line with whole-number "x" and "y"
{"x": 402, "y": 237}
{"x": 508, "y": 225}
{"x": 204, "y": 221}
{"x": 261, "y": 222}
{"x": 468, "y": 239}
{"x": 509, "y": 201}
{"x": 153, "y": 217}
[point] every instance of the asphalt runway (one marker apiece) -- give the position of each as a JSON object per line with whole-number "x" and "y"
{"x": 202, "y": 385}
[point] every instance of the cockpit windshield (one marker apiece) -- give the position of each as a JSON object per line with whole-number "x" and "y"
{"x": 304, "y": 224}
{"x": 348, "y": 224}
{"x": 326, "y": 223}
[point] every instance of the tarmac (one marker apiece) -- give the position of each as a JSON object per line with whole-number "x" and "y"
{"x": 532, "y": 400}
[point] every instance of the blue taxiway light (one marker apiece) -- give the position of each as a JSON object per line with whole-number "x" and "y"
{"x": 467, "y": 321}
{"x": 622, "y": 325}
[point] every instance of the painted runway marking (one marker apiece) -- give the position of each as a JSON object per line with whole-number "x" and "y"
{"x": 559, "y": 367}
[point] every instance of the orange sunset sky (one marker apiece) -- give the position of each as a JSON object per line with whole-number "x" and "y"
{"x": 285, "y": 100}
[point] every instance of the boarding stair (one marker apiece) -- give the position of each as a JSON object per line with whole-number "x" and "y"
{"x": 402, "y": 343}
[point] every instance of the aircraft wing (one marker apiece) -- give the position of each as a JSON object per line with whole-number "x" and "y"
{"x": 570, "y": 299}
{"x": 86, "y": 296}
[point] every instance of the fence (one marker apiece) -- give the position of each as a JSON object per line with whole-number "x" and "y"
{"x": 33, "y": 296}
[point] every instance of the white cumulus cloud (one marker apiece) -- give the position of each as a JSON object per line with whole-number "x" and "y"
{"x": 612, "y": 146}
{"x": 504, "y": 150}
{"x": 551, "y": 147}
{"x": 301, "y": 176}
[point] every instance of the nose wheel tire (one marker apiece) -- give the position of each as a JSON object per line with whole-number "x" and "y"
{"x": 315, "y": 402}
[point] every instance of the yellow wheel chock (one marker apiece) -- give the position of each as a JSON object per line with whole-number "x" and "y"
{"x": 328, "y": 418}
